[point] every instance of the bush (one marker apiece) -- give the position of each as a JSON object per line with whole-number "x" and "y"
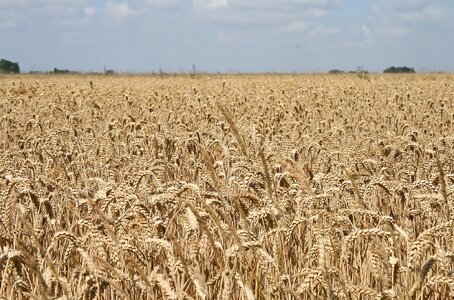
{"x": 335, "y": 71}
{"x": 7, "y": 66}
{"x": 58, "y": 71}
{"x": 399, "y": 70}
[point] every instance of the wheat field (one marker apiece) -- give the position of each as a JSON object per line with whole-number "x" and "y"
{"x": 227, "y": 187}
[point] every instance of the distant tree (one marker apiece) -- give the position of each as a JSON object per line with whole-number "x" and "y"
{"x": 108, "y": 71}
{"x": 58, "y": 71}
{"x": 359, "y": 70}
{"x": 399, "y": 70}
{"x": 335, "y": 71}
{"x": 7, "y": 66}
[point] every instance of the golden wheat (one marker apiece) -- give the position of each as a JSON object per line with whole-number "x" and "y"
{"x": 227, "y": 187}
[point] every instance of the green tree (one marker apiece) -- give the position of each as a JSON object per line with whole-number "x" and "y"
{"x": 399, "y": 70}
{"x": 58, "y": 71}
{"x": 335, "y": 71}
{"x": 7, "y": 66}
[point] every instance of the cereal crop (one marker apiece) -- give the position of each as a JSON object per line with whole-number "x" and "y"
{"x": 227, "y": 187}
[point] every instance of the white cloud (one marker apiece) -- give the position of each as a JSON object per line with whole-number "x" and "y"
{"x": 395, "y": 31}
{"x": 317, "y": 12}
{"x": 210, "y": 4}
{"x": 281, "y": 4}
{"x": 89, "y": 11}
{"x": 119, "y": 10}
{"x": 164, "y": 3}
{"x": 26, "y": 13}
{"x": 366, "y": 30}
{"x": 285, "y": 15}
{"x": 317, "y": 2}
{"x": 296, "y": 26}
{"x": 12, "y": 3}
{"x": 323, "y": 30}
{"x": 397, "y": 18}
{"x": 410, "y": 11}
{"x": 230, "y": 37}
{"x": 7, "y": 24}
{"x": 357, "y": 44}
{"x": 428, "y": 13}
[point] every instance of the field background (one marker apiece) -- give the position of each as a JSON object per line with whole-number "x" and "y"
{"x": 227, "y": 187}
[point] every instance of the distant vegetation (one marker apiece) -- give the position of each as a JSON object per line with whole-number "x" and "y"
{"x": 336, "y": 71}
{"x": 399, "y": 70}
{"x": 7, "y": 66}
{"x": 58, "y": 71}
{"x": 359, "y": 71}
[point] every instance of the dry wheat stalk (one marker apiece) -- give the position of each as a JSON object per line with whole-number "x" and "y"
{"x": 255, "y": 187}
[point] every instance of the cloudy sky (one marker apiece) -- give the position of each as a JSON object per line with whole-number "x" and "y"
{"x": 227, "y": 35}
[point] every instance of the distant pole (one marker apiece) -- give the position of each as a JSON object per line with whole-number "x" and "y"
{"x": 194, "y": 71}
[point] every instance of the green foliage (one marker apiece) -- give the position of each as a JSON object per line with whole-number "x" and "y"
{"x": 58, "y": 71}
{"x": 7, "y": 66}
{"x": 335, "y": 71}
{"x": 362, "y": 74}
{"x": 399, "y": 70}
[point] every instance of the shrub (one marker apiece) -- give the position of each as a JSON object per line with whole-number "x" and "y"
{"x": 335, "y": 71}
{"x": 7, "y": 66}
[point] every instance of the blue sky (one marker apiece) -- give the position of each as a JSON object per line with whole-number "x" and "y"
{"x": 227, "y": 35}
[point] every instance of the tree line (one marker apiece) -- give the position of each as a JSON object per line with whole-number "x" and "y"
{"x": 392, "y": 69}
{"x": 399, "y": 70}
{"x": 7, "y": 66}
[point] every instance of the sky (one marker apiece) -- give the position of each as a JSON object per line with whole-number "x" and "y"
{"x": 227, "y": 35}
